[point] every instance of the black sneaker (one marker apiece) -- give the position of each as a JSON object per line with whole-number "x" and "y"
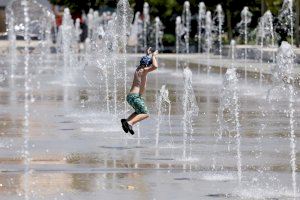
{"x": 124, "y": 125}
{"x": 130, "y": 129}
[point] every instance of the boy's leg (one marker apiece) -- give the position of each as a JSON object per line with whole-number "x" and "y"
{"x": 131, "y": 116}
{"x": 137, "y": 118}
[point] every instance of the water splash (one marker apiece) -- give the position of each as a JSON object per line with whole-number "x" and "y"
{"x": 229, "y": 113}
{"x": 67, "y": 37}
{"x": 123, "y": 22}
{"x": 219, "y": 21}
{"x": 78, "y": 30}
{"x": 208, "y": 39}
{"x": 284, "y": 69}
{"x": 26, "y": 98}
{"x": 243, "y": 27}
{"x": 179, "y": 31}
{"x": 146, "y": 24}
{"x": 232, "y": 52}
{"x": 159, "y": 34}
{"x": 135, "y": 33}
{"x": 201, "y": 25}
{"x": 162, "y": 100}
{"x": 286, "y": 19}
{"x": 186, "y": 22}
{"x": 190, "y": 110}
{"x": 265, "y": 37}
{"x": 12, "y": 39}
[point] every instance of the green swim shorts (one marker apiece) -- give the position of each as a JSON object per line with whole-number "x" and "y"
{"x": 137, "y": 102}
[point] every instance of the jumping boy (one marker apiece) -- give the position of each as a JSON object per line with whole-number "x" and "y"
{"x": 148, "y": 64}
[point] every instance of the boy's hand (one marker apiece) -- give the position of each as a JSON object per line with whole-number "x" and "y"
{"x": 149, "y": 51}
{"x": 155, "y": 53}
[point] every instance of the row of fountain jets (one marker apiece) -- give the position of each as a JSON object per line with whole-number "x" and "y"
{"x": 210, "y": 28}
{"x": 143, "y": 33}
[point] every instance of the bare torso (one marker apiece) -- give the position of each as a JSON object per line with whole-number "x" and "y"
{"x": 139, "y": 81}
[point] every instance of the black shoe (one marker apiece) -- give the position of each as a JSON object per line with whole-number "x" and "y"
{"x": 124, "y": 125}
{"x": 130, "y": 129}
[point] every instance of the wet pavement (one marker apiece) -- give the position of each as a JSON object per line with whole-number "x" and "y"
{"x": 77, "y": 149}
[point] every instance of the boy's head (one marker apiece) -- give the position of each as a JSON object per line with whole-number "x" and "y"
{"x": 146, "y": 61}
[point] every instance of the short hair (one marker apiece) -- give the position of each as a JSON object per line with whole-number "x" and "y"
{"x": 146, "y": 61}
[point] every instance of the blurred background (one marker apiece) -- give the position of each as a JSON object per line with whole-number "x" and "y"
{"x": 168, "y": 10}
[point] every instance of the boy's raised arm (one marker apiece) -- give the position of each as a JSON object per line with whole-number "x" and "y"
{"x": 154, "y": 65}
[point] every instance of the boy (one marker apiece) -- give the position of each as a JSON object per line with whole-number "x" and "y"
{"x": 148, "y": 64}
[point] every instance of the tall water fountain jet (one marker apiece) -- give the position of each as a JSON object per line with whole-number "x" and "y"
{"x": 90, "y": 22}
{"x": 265, "y": 37}
{"x": 108, "y": 59}
{"x": 97, "y": 27}
{"x": 12, "y": 39}
{"x": 124, "y": 19}
{"x": 224, "y": 93}
{"x": 133, "y": 39}
{"x": 163, "y": 102}
{"x": 219, "y": 20}
{"x": 146, "y": 24}
{"x": 284, "y": 70}
{"x": 286, "y": 19}
{"x": 232, "y": 51}
{"x": 201, "y": 25}
{"x": 243, "y": 27}
{"x": 208, "y": 38}
{"x": 190, "y": 110}
{"x": 158, "y": 34}
{"x": 78, "y": 30}
{"x": 113, "y": 45}
{"x": 47, "y": 22}
{"x": 26, "y": 18}
{"x": 27, "y": 81}
{"x": 229, "y": 114}
{"x": 178, "y": 32}
{"x": 186, "y": 22}
{"x": 67, "y": 36}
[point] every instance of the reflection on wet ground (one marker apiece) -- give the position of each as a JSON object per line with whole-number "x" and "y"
{"x": 77, "y": 149}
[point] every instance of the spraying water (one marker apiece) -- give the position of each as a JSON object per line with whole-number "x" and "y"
{"x": 208, "y": 38}
{"x": 286, "y": 19}
{"x": 201, "y": 25}
{"x": 12, "y": 39}
{"x": 124, "y": 19}
{"x": 265, "y": 36}
{"x": 67, "y": 28}
{"x": 78, "y": 30}
{"x": 178, "y": 39}
{"x": 133, "y": 39}
{"x": 159, "y": 34}
{"x": 229, "y": 113}
{"x": 112, "y": 44}
{"x": 146, "y": 23}
{"x": 190, "y": 110}
{"x": 90, "y": 22}
{"x": 232, "y": 50}
{"x": 162, "y": 99}
{"x": 24, "y": 3}
{"x": 22, "y": 16}
{"x": 284, "y": 70}
{"x": 186, "y": 22}
{"x": 219, "y": 20}
{"x": 243, "y": 27}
